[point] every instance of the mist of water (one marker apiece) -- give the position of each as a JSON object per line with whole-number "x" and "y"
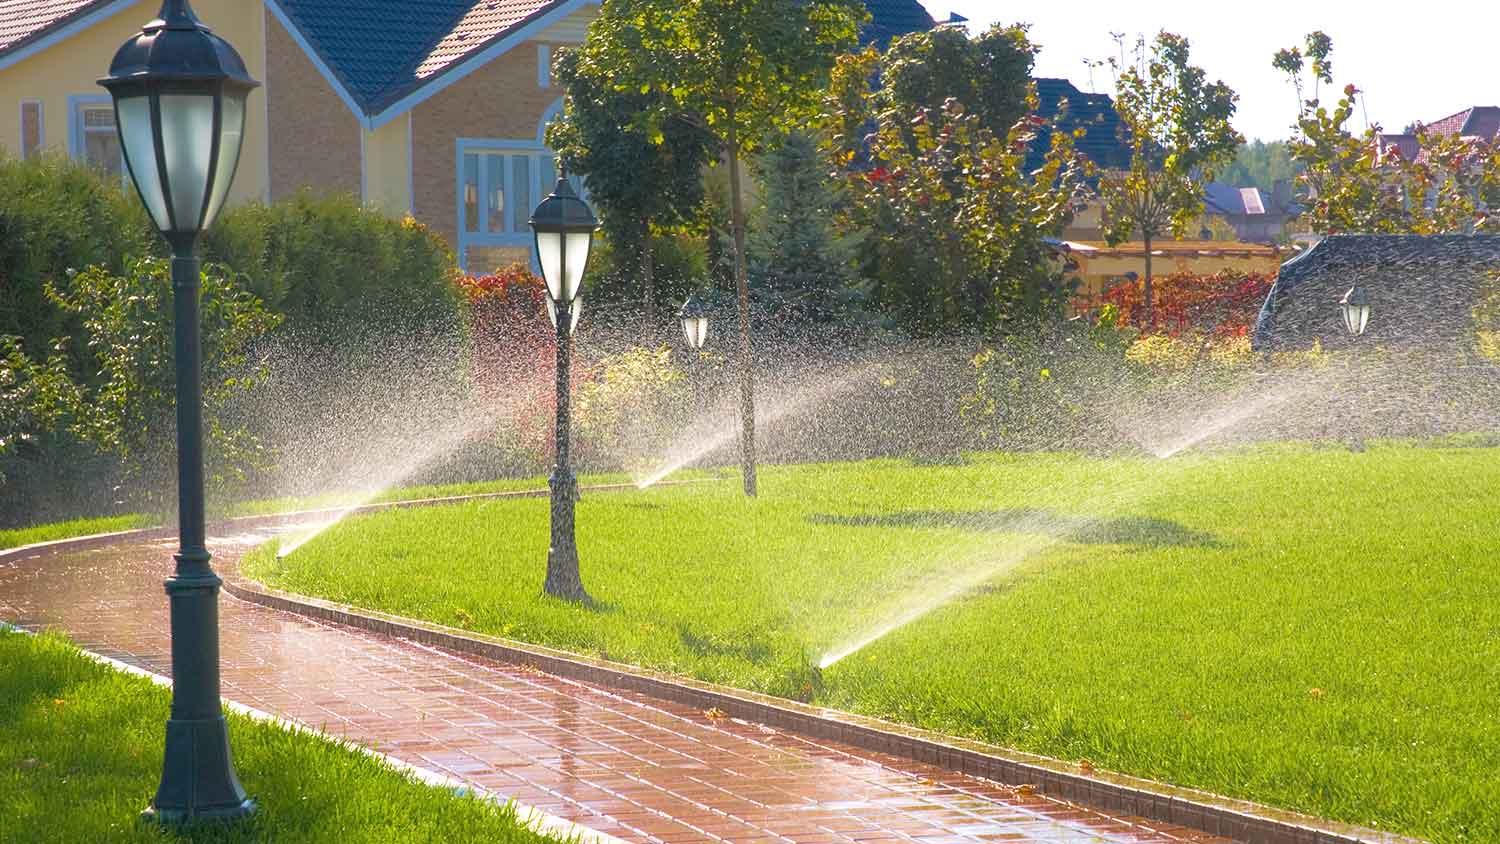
{"x": 776, "y": 402}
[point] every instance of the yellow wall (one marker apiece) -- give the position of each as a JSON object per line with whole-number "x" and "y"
{"x": 388, "y": 167}
{"x": 72, "y": 67}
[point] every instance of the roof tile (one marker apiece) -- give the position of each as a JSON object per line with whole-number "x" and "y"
{"x": 22, "y": 21}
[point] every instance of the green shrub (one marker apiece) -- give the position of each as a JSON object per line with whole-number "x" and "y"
{"x": 57, "y": 215}
{"x": 124, "y": 406}
{"x": 631, "y": 409}
{"x": 326, "y": 262}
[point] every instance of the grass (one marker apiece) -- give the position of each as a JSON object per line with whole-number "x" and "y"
{"x": 1311, "y": 628}
{"x": 80, "y": 755}
{"x": 16, "y": 537}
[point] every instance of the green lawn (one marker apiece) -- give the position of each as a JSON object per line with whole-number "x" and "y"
{"x": 16, "y": 537}
{"x": 80, "y": 754}
{"x": 1312, "y": 628}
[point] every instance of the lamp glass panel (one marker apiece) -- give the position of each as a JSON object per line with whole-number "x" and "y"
{"x": 578, "y": 258}
{"x": 696, "y": 329}
{"x": 187, "y": 134}
{"x": 140, "y": 155}
{"x": 572, "y": 323}
{"x": 231, "y": 140}
{"x": 1347, "y": 312}
{"x": 1361, "y": 318}
{"x": 549, "y": 255}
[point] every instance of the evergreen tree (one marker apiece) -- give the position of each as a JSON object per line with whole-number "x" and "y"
{"x": 799, "y": 264}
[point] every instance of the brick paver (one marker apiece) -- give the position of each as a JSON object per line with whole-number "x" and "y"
{"x": 617, "y": 762}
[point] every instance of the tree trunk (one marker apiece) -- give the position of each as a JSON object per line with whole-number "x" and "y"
{"x": 1150, "y": 304}
{"x": 648, "y": 283}
{"x": 742, "y": 288}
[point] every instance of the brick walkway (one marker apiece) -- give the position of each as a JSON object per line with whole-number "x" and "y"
{"x": 618, "y": 763}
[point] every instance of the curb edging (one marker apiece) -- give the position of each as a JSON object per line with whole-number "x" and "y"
{"x": 1240, "y": 820}
{"x": 100, "y": 540}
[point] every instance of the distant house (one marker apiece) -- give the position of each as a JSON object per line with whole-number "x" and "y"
{"x": 1099, "y": 266}
{"x": 433, "y": 108}
{"x": 892, "y": 18}
{"x": 1255, "y": 215}
{"x": 1422, "y": 291}
{"x": 1060, "y": 100}
{"x": 1481, "y": 122}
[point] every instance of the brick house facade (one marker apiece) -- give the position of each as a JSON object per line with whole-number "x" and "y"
{"x": 429, "y": 108}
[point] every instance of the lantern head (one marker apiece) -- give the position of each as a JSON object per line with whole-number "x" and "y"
{"x": 564, "y": 229}
{"x": 179, "y": 94}
{"x": 694, "y": 322}
{"x": 1355, "y": 308}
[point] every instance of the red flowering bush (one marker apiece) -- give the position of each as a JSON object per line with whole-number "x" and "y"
{"x": 512, "y": 339}
{"x": 1223, "y": 304}
{"x": 513, "y": 355}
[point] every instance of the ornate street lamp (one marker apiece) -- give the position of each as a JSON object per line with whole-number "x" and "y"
{"x": 179, "y": 93}
{"x": 1355, "y": 308}
{"x": 694, "y": 322}
{"x": 564, "y": 228}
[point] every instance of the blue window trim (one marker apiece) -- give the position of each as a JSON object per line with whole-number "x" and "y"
{"x": 75, "y": 126}
{"x": 76, "y": 145}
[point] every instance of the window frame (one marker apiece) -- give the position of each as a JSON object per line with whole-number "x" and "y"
{"x": 78, "y": 131}
{"x": 41, "y": 127}
{"x": 519, "y": 234}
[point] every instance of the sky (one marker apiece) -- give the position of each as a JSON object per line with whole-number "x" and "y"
{"x": 1412, "y": 65}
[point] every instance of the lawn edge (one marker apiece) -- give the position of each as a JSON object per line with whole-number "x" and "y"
{"x": 1241, "y": 820}
{"x": 529, "y": 816}
{"x": 99, "y": 540}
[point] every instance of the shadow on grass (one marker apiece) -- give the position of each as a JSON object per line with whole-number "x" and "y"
{"x": 1087, "y": 530}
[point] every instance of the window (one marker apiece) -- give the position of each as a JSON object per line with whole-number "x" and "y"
{"x": 543, "y": 66}
{"x": 95, "y": 138}
{"x": 510, "y": 182}
{"x": 33, "y": 133}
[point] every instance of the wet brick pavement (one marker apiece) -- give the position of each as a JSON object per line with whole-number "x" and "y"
{"x": 619, "y": 763}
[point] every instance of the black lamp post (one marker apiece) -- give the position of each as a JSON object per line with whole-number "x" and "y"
{"x": 564, "y": 228}
{"x": 694, "y": 322}
{"x": 179, "y": 93}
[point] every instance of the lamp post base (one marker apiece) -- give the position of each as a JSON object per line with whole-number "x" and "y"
{"x": 198, "y": 780}
{"x": 563, "y": 578}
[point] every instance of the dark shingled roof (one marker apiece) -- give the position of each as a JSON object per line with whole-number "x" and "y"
{"x": 25, "y": 21}
{"x": 383, "y": 49}
{"x": 1094, "y": 112}
{"x": 890, "y": 18}
{"x": 1422, "y": 290}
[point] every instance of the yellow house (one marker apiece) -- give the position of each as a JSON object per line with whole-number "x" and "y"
{"x": 430, "y": 109}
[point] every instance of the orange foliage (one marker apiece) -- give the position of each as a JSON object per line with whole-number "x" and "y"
{"x": 1224, "y": 304}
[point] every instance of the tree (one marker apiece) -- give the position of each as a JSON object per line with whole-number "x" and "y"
{"x": 797, "y": 258}
{"x": 642, "y": 181}
{"x": 1261, "y": 164}
{"x": 1358, "y": 183}
{"x": 1177, "y": 126}
{"x": 737, "y": 69}
{"x": 959, "y": 224}
{"x": 989, "y": 74}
